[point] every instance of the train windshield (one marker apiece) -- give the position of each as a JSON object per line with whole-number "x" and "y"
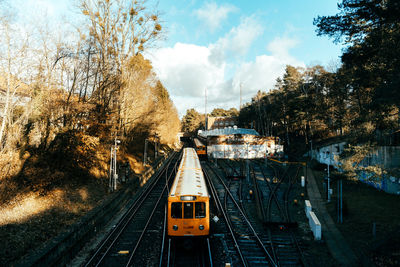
{"x": 200, "y": 210}
{"x": 176, "y": 210}
{"x": 188, "y": 210}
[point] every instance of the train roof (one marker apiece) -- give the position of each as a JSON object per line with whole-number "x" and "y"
{"x": 197, "y": 142}
{"x": 189, "y": 179}
{"x": 228, "y": 131}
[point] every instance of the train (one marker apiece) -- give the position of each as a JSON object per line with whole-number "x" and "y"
{"x": 188, "y": 200}
{"x": 200, "y": 148}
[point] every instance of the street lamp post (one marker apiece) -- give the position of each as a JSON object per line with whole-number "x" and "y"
{"x": 340, "y": 201}
{"x": 329, "y": 180}
{"x": 247, "y": 164}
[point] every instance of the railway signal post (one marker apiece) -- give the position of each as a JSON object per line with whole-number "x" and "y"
{"x": 113, "y": 165}
{"x": 145, "y": 152}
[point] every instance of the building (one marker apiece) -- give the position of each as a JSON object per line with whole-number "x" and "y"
{"x": 239, "y": 143}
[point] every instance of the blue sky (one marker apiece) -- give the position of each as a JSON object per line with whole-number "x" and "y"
{"x": 225, "y": 45}
{"x": 285, "y": 18}
{"x": 222, "y": 46}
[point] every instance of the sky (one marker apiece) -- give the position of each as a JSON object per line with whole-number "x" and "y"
{"x": 222, "y": 46}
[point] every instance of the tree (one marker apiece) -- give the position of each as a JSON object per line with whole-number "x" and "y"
{"x": 289, "y": 85}
{"x": 145, "y": 105}
{"x": 305, "y": 103}
{"x": 192, "y": 121}
{"x": 371, "y": 28}
{"x": 13, "y": 67}
{"x": 117, "y": 31}
{"x": 220, "y": 112}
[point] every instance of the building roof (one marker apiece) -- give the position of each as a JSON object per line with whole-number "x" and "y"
{"x": 189, "y": 179}
{"x": 228, "y": 131}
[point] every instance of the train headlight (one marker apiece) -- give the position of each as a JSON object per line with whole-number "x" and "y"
{"x": 201, "y": 227}
{"x": 175, "y": 227}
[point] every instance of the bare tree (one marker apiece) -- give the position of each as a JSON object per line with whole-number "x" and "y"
{"x": 13, "y": 66}
{"x": 118, "y": 29}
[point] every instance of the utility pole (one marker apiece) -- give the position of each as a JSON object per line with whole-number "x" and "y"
{"x": 247, "y": 165}
{"x": 155, "y": 146}
{"x": 340, "y": 201}
{"x": 329, "y": 180}
{"x": 240, "y": 96}
{"x": 205, "y": 108}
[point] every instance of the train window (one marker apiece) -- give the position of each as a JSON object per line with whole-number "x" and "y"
{"x": 200, "y": 210}
{"x": 176, "y": 210}
{"x": 188, "y": 210}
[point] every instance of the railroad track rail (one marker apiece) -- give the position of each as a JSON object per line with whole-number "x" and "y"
{"x": 189, "y": 253}
{"x": 251, "y": 247}
{"x": 235, "y": 255}
{"x": 274, "y": 187}
{"x": 124, "y": 245}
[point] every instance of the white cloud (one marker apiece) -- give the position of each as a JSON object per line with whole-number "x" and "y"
{"x": 187, "y": 69}
{"x": 213, "y": 15}
{"x": 261, "y": 74}
{"x": 36, "y": 9}
{"x": 280, "y": 46}
{"x": 237, "y": 42}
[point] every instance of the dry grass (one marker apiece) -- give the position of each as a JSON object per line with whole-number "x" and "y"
{"x": 43, "y": 192}
{"x": 10, "y": 164}
{"x": 29, "y": 205}
{"x": 31, "y": 219}
{"x": 136, "y": 166}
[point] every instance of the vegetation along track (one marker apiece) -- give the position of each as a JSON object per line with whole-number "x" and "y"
{"x": 132, "y": 240}
{"x": 274, "y": 187}
{"x": 251, "y": 247}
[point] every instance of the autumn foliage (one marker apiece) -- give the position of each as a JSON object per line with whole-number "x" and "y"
{"x": 61, "y": 112}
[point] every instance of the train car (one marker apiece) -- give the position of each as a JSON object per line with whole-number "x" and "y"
{"x": 200, "y": 148}
{"x": 188, "y": 200}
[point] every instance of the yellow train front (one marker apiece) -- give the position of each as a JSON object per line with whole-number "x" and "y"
{"x": 188, "y": 200}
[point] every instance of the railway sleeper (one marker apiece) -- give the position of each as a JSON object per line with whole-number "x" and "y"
{"x": 257, "y": 261}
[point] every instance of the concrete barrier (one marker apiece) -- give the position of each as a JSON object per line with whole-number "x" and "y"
{"x": 308, "y": 208}
{"x": 315, "y": 226}
{"x": 313, "y": 221}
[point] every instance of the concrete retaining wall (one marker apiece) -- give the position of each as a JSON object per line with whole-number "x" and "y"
{"x": 386, "y": 157}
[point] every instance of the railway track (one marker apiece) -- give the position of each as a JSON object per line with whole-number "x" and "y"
{"x": 188, "y": 253}
{"x": 274, "y": 187}
{"x": 251, "y": 248}
{"x": 232, "y": 248}
{"x": 128, "y": 243}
